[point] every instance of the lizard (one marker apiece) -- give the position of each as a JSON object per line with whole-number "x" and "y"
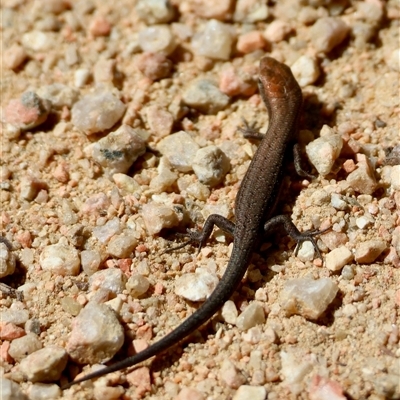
{"x": 254, "y": 205}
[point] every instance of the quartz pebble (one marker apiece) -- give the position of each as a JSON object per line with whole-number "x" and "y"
{"x": 306, "y": 251}
{"x": 197, "y": 286}
{"x": 28, "y": 111}
{"x": 210, "y": 165}
{"x": 30, "y": 187}
{"x": 324, "y": 151}
{"x": 322, "y": 388}
{"x": 204, "y": 95}
{"x": 117, "y": 151}
{"x": 81, "y": 77}
{"x": 367, "y": 252}
{"x": 277, "y": 30}
{"x": 60, "y": 259}
{"x": 395, "y": 177}
{"x": 44, "y": 391}
{"x": 90, "y": 260}
{"x": 165, "y": 178}
{"x": 23, "y": 346}
{"x": 160, "y": 121}
{"x": 327, "y": 33}
{"x": 108, "y": 230}
{"x": 154, "y": 66}
{"x": 252, "y": 315}
{"x": 250, "y": 11}
{"x": 180, "y": 149}
{"x": 96, "y": 335}
{"x": 306, "y": 71}
{"x": 247, "y": 392}
{"x": 338, "y": 258}
{"x": 229, "y": 312}
{"x": 250, "y": 41}
{"x": 230, "y": 375}
{"x": 121, "y": 246}
{"x": 44, "y": 365}
{"x": 111, "y": 280}
{"x": 97, "y": 112}
{"x": 294, "y": 369}
{"x": 154, "y": 11}
{"x": 14, "y": 56}
{"x": 209, "y": 9}
{"x": 38, "y": 40}
{"x": 126, "y": 183}
{"x": 157, "y": 39}
{"x": 59, "y": 95}
{"x": 362, "y": 179}
{"x": 11, "y": 390}
{"x": 14, "y": 316}
{"x": 307, "y": 297}
{"x": 7, "y": 261}
{"x": 137, "y": 285}
{"x": 235, "y": 82}
{"x": 157, "y": 217}
{"x": 215, "y": 41}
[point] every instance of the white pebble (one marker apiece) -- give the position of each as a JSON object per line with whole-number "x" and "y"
{"x": 393, "y": 61}
{"x": 180, "y": 149}
{"x": 137, "y": 285}
{"x": 247, "y": 392}
{"x": 44, "y": 365}
{"x": 96, "y": 335}
{"x": 395, "y": 177}
{"x": 154, "y": 11}
{"x": 109, "y": 229}
{"x": 44, "y": 391}
{"x": 14, "y": 316}
{"x": 113, "y": 280}
{"x": 38, "y": 40}
{"x": 306, "y": 70}
{"x": 294, "y": 368}
{"x": 197, "y": 286}
{"x": 121, "y": 246}
{"x": 323, "y": 152}
{"x": 205, "y": 96}
{"x": 81, "y": 77}
{"x": 230, "y": 375}
{"x": 60, "y": 259}
{"x": 7, "y": 261}
{"x": 328, "y": 32}
{"x": 252, "y": 315}
{"x": 126, "y": 183}
{"x": 210, "y": 165}
{"x": 157, "y": 39}
{"x": 362, "y": 179}
{"x": 338, "y": 258}
{"x": 23, "y": 346}
{"x": 250, "y": 11}
{"x": 11, "y": 390}
{"x": 229, "y": 312}
{"x": 306, "y": 251}
{"x": 59, "y": 95}
{"x": 90, "y": 260}
{"x": 307, "y": 297}
{"x": 367, "y": 252}
{"x": 215, "y": 41}
{"x": 97, "y": 112}
{"x": 157, "y": 217}
{"x": 117, "y": 151}
{"x": 338, "y": 202}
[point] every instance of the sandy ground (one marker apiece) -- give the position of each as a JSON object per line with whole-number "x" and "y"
{"x": 352, "y": 351}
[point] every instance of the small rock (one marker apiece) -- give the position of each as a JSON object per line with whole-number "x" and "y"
{"x": 252, "y": 315}
{"x": 97, "y": 204}
{"x": 154, "y": 66}
{"x": 39, "y": 41}
{"x": 234, "y": 82}
{"x": 160, "y": 121}
{"x": 112, "y": 280}
{"x": 157, "y": 217}
{"x": 100, "y": 26}
{"x": 44, "y": 365}
{"x": 307, "y": 297}
{"x": 306, "y": 251}
{"x": 137, "y": 285}
{"x": 27, "y": 112}
{"x": 140, "y": 378}
{"x": 10, "y": 331}
{"x": 96, "y": 335}
{"x": 294, "y": 368}
{"x": 204, "y": 95}
{"x": 367, "y": 252}
{"x": 60, "y": 259}
{"x": 117, "y": 151}
{"x": 395, "y": 177}
{"x": 229, "y": 312}
{"x": 322, "y": 388}
{"x": 14, "y": 316}
{"x": 108, "y": 230}
{"x": 250, "y": 11}
{"x": 197, "y": 286}
{"x": 362, "y": 180}
{"x": 338, "y": 258}
{"x": 324, "y": 151}
{"x": 23, "y": 346}
{"x": 306, "y": 71}
{"x": 30, "y": 187}
{"x": 190, "y": 393}
{"x": 277, "y": 30}
{"x": 11, "y": 391}
{"x": 14, "y": 56}
{"x": 97, "y": 112}
{"x": 215, "y": 41}
{"x": 44, "y": 391}
{"x": 246, "y": 392}
{"x": 393, "y": 61}
{"x": 81, "y": 77}
{"x": 210, "y": 165}
{"x": 121, "y": 246}
{"x": 180, "y": 149}
{"x": 165, "y": 178}
{"x": 59, "y": 95}
{"x": 338, "y": 202}
{"x": 90, "y": 260}
{"x": 126, "y": 183}
{"x": 327, "y": 33}
{"x": 7, "y": 261}
{"x": 230, "y": 375}
{"x": 154, "y": 11}
{"x": 105, "y": 71}
{"x": 157, "y": 39}
{"x": 250, "y": 41}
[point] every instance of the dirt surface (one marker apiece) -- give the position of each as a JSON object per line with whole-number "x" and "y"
{"x": 352, "y": 351}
